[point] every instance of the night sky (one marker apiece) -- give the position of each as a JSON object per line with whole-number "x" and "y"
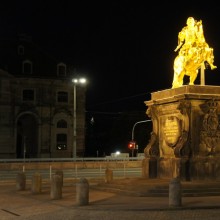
{"x": 126, "y": 50}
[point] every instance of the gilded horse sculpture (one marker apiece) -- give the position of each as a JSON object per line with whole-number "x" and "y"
{"x": 193, "y": 52}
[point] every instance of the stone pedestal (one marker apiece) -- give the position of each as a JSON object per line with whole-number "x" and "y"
{"x": 185, "y": 139}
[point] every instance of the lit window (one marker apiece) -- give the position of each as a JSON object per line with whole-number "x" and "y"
{"x": 61, "y": 141}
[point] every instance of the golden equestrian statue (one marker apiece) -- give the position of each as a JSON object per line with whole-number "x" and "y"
{"x": 193, "y": 52}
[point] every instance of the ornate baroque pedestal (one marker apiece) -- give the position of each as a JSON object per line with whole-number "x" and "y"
{"x": 185, "y": 140}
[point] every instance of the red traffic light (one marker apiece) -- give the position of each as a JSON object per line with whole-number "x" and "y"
{"x": 131, "y": 145}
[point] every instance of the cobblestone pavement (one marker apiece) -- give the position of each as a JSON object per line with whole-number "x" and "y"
{"x": 102, "y": 205}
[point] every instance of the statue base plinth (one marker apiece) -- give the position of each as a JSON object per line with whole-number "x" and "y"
{"x": 186, "y": 133}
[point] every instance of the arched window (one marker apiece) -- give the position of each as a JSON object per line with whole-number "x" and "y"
{"x": 62, "y": 124}
{"x": 27, "y": 67}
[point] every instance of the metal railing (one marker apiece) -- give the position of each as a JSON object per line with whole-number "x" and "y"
{"x": 70, "y": 174}
{"x": 80, "y": 159}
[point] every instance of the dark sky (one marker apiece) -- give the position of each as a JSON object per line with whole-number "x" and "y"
{"x": 126, "y": 50}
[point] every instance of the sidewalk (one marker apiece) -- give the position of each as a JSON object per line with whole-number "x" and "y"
{"x": 102, "y": 205}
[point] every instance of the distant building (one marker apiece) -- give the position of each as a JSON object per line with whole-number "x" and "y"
{"x": 36, "y": 103}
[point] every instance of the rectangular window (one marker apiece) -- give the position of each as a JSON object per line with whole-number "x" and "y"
{"x": 27, "y": 68}
{"x": 28, "y": 95}
{"x": 61, "y": 141}
{"x": 20, "y": 50}
{"x": 61, "y": 71}
{"x": 62, "y": 97}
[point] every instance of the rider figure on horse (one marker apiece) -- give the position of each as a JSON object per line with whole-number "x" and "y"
{"x": 193, "y": 52}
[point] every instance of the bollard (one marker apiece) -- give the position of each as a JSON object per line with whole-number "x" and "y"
{"x": 60, "y": 173}
{"x": 36, "y": 183}
{"x": 108, "y": 175}
{"x": 82, "y": 192}
{"x": 21, "y": 181}
{"x": 175, "y": 197}
{"x": 56, "y": 187}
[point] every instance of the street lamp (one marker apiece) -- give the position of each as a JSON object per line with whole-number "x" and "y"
{"x": 75, "y": 82}
{"x": 132, "y": 134}
{"x": 24, "y": 152}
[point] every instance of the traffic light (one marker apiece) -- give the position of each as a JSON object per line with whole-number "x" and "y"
{"x": 131, "y": 145}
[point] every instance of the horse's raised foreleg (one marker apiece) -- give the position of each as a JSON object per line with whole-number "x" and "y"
{"x": 210, "y": 58}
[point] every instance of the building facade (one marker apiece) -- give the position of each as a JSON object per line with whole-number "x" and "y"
{"x": 37, "y": 104}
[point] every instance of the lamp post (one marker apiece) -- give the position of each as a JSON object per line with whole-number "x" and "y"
{"x": 132, "y": 133}
{"x": 75, "y": 82}
{"x": 24, "y": 152}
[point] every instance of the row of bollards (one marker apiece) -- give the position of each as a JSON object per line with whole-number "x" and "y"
{"x": 82, "y": 187}
{"x": 36, "y": 182}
